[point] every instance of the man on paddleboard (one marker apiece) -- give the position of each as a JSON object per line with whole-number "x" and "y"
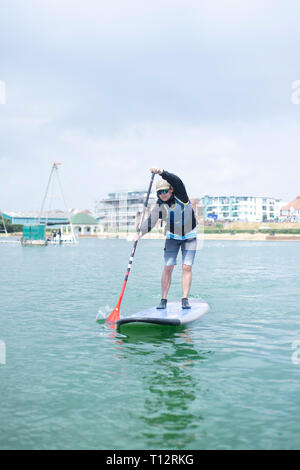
{"x": 174, "y": 207}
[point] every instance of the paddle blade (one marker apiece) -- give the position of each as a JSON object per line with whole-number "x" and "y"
{"x": 114, "y": 316}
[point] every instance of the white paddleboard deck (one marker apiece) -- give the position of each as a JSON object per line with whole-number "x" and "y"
{"x": 174, "y": 314}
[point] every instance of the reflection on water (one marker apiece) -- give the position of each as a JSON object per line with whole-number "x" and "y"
{"x": 170, "y": 388}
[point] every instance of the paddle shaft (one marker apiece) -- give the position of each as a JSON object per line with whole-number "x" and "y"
{"x": 135, "y": 244}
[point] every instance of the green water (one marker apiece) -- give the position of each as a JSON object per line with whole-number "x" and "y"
{"x": 229, "y": 381}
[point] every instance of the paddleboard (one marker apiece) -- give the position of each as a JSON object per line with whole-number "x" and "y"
{"x": 173, "y": 315}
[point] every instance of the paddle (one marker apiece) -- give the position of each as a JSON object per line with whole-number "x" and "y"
{"x": 115, "y": 314}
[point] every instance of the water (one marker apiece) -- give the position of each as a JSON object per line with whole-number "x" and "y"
{"x": 229, "y": 381}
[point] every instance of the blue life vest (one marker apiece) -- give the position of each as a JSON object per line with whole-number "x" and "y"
{"x": 180, "y": 220}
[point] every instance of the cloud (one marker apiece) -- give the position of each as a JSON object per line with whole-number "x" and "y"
{"x": 112, "y": 88}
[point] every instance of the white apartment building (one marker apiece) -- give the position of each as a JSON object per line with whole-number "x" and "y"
{"x": 120, "y": 211}
{"x": 241, "y": 208}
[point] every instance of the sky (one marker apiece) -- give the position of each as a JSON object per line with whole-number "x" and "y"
{"x": 206, "y": 89}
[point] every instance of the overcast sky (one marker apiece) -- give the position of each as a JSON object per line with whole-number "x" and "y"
{"x": 202, "y": 88}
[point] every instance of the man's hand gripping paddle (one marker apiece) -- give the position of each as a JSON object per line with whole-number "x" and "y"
{"x": 115, "y": 314}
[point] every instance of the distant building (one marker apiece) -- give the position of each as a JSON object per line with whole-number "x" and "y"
{"x": 121, "y": 211}
{"x": 85, "y": 224}
{"x": 241, "y": 208}
{"x": 291, "y": 211}
{"x": 32, "y": 217}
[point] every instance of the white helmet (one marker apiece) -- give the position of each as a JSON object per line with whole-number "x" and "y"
{"x": 162, "y": 184}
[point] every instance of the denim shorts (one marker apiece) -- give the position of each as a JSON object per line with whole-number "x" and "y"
{"x": 188, "y": 249}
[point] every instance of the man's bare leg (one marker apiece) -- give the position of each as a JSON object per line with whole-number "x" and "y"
{"x": 166, "y": 281}
{"x": 186, "y": 280}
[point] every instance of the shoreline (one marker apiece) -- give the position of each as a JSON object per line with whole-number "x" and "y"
{"x": 207, "y": 236}
{"x": 249, "y": 237}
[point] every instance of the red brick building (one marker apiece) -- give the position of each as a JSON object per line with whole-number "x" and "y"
{"x": 291, "y": 211}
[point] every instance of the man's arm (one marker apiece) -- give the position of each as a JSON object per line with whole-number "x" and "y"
{"x": 177, "y": 185}
{"x": 175, "y": 182}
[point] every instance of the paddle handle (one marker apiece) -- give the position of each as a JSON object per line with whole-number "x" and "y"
{"x": 138, "y": 231}
{"x": 146, "y": 203}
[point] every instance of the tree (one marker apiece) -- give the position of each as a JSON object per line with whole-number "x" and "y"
{"x": 10, "y": 228}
